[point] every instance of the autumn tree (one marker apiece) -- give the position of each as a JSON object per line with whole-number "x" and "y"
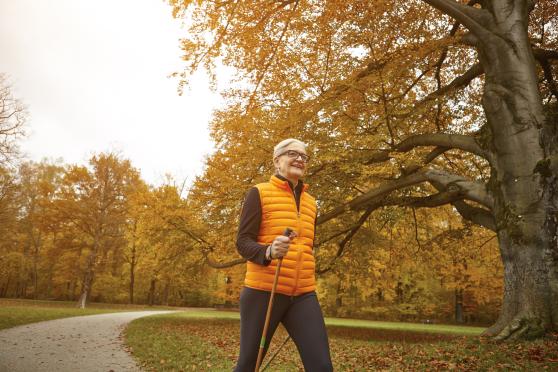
{"x": 403, "y": 106}
{"x": 94, "y": 201}
{"x": 172, "y": 262}
{"x": 10, "y": 257}
{"x": 37, "y": 183}
{"x": 12, "y": 121}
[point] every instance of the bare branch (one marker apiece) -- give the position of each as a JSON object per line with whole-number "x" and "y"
{"x": 442, "y": 141}
{"x": 476, "y": 215}
{"x": 416, "y": 230}
{"x": 343, "y": 243}
{"x": 545, "y": 54}
{"x": 470, "y": 17}
{"x": 459, "y": 82}
{"x": 549, "y": 78}
{"x": 373, "y": 195}
{"x": 378, "y": 157}
{"x": 449, "y": 196}
{"x": 434, "y": 154}
{"x": 446, "y": 140}
{"x": 471, "y": 190}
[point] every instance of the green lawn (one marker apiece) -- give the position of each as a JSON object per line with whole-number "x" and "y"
{"x": 18, "y": 312}
{"x": 208, "y": 340}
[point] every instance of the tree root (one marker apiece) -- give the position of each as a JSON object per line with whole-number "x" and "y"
{"x": 525, "y": 328}
{"x": 495, "y": 329}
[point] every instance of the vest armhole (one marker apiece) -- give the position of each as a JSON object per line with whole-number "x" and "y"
{"x": 259, "y": 186}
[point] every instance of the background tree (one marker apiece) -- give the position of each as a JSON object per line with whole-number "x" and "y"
{"x": 12, "y": 121}
{"x": 37, "y": 183}
{"x": 94, "y": 201}
{"x": 402, "y": 106}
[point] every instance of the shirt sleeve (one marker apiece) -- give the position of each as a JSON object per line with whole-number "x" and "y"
{"x": 249, "y": 228}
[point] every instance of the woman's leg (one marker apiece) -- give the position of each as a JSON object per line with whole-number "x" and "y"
{"x": 305, "y": 323}
{"x": 253, "y": 308}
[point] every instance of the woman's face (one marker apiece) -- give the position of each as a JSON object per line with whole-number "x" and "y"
{"x": 291, "y": 165}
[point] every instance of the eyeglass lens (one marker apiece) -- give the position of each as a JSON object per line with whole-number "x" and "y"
{"x": 295, "y": 154}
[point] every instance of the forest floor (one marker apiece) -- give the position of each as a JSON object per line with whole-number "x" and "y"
{"x": 209, "y": 341}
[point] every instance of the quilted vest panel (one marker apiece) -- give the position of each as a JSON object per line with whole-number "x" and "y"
{"x": 279, "y": 211}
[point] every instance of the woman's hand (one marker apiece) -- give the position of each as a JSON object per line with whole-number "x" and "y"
{"x": 280, "y": 245}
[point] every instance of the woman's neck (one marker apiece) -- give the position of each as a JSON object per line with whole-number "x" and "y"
{"x": 293, "y": 181}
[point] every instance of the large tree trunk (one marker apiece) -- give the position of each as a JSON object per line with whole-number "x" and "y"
{"x": 523, "y": 179}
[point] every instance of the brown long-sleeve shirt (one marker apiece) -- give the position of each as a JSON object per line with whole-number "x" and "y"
{"x": 249, "y": 226}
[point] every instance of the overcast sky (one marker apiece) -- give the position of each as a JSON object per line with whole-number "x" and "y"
{"x": 93, "y": 75}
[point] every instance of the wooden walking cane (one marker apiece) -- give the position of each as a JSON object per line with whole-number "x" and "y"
{"x": 287, "y": 232}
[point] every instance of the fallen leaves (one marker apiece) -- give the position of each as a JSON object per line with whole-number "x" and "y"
{"x": 213, "y": 344}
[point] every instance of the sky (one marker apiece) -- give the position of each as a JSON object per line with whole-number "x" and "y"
{"x": 93, "y": 75}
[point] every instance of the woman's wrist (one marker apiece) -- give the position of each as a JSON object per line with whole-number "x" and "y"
{"x": 268, "y": 255}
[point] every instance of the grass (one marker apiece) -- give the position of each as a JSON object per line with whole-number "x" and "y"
{"x": 14, "y": 312}
{"x": 208, "y": 341}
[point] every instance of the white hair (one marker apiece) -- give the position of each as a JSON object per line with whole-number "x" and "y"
{"x": 278, "y": 149}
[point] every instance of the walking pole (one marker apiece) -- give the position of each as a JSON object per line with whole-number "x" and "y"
{"x": 276, "y": 352}
{"x": 287, "y": 232}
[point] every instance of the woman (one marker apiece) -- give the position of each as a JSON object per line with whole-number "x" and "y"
{"x": 268, "y": 210}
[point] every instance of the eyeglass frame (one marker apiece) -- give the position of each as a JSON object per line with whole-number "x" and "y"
{"x": 305, "y": 158}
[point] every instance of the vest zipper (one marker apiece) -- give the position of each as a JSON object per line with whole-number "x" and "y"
{"x": 299, "y": 252}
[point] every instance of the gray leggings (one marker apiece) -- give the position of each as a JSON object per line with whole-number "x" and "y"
{"x": 300, "y": 315}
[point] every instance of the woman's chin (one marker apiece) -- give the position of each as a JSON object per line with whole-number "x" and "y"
{"x": 296, "y": 173}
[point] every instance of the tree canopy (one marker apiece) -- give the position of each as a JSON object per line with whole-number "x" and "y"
{"x": 404, "y": 103}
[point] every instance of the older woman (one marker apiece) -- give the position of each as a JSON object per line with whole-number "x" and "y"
{"x": 268, "y": 210}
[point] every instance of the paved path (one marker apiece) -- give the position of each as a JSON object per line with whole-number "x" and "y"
{"x": 89, "y": 343}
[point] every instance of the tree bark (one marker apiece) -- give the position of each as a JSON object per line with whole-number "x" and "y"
{"x": 524, "y": 198}
{"x": 88, "y": 277}
{"x": 458, "y": 294}
{"x": 152, "y": 291}
{"x": 132, "y": 271}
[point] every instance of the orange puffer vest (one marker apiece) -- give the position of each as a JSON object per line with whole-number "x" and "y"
{"x": 279, "y": 212}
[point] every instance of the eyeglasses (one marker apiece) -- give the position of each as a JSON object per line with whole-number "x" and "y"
{"x": 295, "y": 154}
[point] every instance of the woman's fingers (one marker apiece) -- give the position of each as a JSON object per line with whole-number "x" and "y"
{"x": 280, "y": 246}
{"x": 283, "y": 239}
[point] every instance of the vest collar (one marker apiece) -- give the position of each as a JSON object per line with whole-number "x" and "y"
{"x": 283, "y": 183}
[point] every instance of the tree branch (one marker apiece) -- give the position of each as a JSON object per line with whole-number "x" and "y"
{"x": 372, "y": 195}
{"x": 442, "y": 141}
{"x": 549, "y": 78}
{"x": 470, "y": 17}
{"x": 459, "y": 82}
{"x": 476, "y": 215}
{"x": 446, "y": 140}
{"x": 444, "y": 197}
{"x": 342, "y": 244}
{"x": 545, "y": 54}
{"x": 471, "y": 190}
